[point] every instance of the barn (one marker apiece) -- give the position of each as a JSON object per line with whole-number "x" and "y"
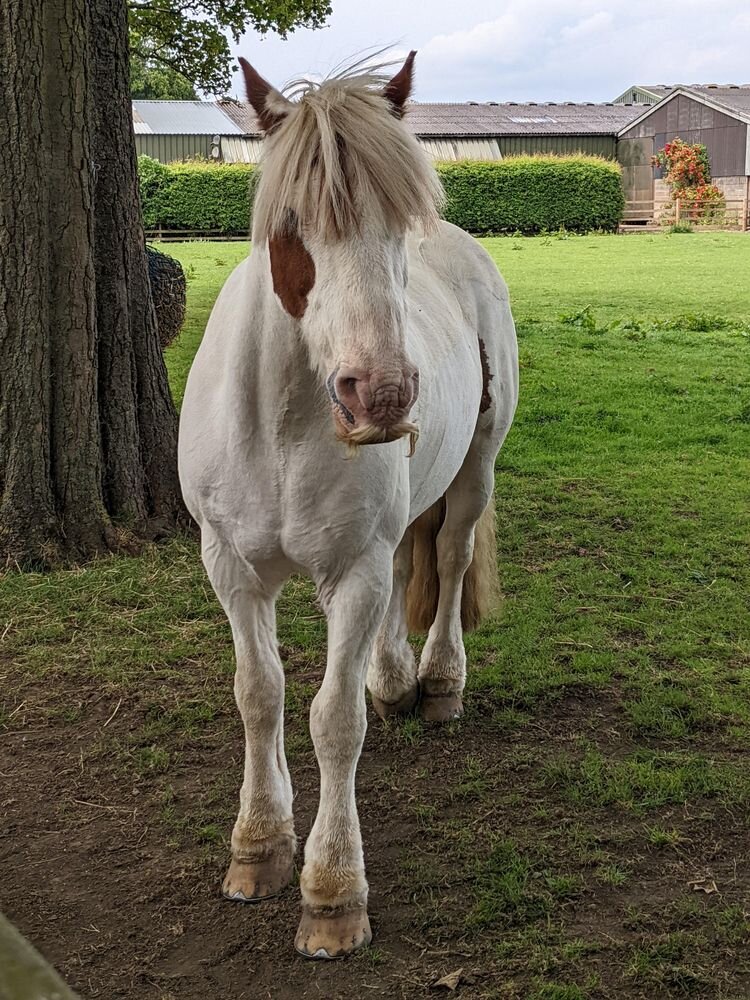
{"x": 716, "y": 116}
{"x": 227, "y": 130}
{"x": 170, "y": 131}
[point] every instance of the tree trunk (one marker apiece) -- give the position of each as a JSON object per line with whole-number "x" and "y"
{"x": 87, "y": 426}
{"x": 139, "y": 423}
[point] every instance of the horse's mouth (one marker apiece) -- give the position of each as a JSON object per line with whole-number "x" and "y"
{"x": 355, "y": 437}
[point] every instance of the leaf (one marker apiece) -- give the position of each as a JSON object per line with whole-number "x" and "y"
{"x": 449, "y": 982}
{"x": 706, "y": 885}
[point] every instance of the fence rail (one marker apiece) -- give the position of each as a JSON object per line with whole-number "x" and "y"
{"x": 702, "y": 215}
{"x": 180, "y": 235}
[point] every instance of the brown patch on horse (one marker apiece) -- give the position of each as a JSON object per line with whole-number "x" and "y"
{"x": 486, "y": 401}
{"x": 293, "y": 272}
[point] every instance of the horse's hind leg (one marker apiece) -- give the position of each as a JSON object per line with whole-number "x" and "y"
{"x": 392, "y": 674}
{"x": 442, "y": 669}
{"x": 263, "y": 840}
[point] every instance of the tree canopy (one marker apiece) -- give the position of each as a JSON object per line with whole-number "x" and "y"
{"x": 150, "y": 81}
{"x": 191, "y": 37}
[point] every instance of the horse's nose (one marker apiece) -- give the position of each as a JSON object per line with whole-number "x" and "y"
{"x": 379, "y": 397}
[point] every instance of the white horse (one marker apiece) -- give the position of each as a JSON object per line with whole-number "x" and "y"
{"x": 359, "y": 318}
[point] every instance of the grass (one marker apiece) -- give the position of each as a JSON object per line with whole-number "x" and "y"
{"x": 608, "y": 713}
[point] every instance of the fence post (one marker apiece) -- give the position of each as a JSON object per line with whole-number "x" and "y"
{"x": 743, "y": 220}
{"x": 677, "y": 211}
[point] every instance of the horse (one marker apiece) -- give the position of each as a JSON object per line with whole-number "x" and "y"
{"x": 357, "y": 377}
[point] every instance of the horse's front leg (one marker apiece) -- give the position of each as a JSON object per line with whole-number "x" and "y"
{"x": 334, "y": 888}
{"x": 263, "y": 840}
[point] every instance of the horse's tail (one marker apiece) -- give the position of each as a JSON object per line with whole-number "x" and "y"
{"x": 480, "y": 586}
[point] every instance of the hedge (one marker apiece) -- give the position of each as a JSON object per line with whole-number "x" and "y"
{"x": 195, "y": 195}
{"x": 527, "y": 194}
{"x": 533, "y": 194}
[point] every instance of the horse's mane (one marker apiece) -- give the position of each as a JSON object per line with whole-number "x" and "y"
{"x": 341, "y": 154}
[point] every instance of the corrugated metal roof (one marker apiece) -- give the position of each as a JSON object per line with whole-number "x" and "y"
{"x": 737, "y": 105}
{"x": 184, "y": 118}
{"x": 518, "y": 119}
{"x": 140, "y": 127}
{"x": 241, "y": 113}
{"x": 733, "y": 96}
{"x": 454, "y": 120}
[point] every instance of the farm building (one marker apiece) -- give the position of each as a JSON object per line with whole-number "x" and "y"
{"x": 180, "y": 130}
{"x": 228, "y": 131}
{"x": 717, "y": 117}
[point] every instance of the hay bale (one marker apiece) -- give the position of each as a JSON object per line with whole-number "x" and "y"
{"x": 168, "y": 291}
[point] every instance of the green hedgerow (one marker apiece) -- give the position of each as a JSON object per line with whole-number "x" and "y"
{"x": 525, "y": 194}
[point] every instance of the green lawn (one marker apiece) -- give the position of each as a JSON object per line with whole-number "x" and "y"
{"x": 583, "y": 834}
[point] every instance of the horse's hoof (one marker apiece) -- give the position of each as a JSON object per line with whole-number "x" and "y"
{"x": 440, "y": 707}
{"x": 252, "y": 881}
{"x": 332, "y": 933}
{"x": 404, "y": 706}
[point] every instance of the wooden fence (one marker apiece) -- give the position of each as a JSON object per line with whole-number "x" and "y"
{"x": 655, "y": 214}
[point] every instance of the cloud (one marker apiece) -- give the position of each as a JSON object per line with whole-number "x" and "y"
{"x": 502, "y": 50}
{"x": 585, "y": 49}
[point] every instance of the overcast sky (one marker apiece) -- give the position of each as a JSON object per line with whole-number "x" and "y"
{"x": 514, "y": 50}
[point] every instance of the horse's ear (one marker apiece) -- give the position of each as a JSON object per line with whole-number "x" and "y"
{"x": 269, "y": 105}
{"x": 398, "y": 90}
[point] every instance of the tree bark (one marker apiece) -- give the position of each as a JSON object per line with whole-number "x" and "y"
{"x": 139, "y": 422}
{"x": 87, "y": 425}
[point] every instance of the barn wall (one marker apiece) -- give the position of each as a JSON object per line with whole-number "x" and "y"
{"x": 442, "y": 149}
{"x": 724, "y": 137}
{"x": 634, "y": 156}
{"x": 171, "y": 148}
{"x": 240, "y": 149}
{"x": 560, "y": 145}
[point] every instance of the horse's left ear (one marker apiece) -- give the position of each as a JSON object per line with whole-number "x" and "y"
{"x": 398, "y": 90}
{"x": 270, "y": 106}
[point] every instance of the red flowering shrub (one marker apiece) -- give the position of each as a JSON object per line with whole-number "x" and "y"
{"x": 688, "y": 175}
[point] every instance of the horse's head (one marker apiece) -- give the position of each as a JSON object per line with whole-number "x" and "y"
{"x": 342, "y": 182}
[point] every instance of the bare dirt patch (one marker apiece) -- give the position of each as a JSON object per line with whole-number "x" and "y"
{"x": 112, "y": 861}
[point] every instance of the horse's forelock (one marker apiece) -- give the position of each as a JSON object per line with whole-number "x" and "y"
{"x": 339, "y": 154}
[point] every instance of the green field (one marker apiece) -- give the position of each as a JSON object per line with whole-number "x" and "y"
{"x": 584, "y": 832}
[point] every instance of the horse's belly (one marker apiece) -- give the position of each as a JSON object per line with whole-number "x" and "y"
{"x": 446, "y": 414}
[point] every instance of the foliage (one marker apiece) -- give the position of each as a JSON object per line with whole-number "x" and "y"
{"x": 688, "y": 175}
{"x": 196, "y": 195}
{"x": 519, "y": 194}
{"x": 194, "y": 39}
{"x": 150, "y": 81}
{"x": 533, "y": 194}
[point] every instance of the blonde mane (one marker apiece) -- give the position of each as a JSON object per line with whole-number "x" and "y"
{"x": 338, "y": 156}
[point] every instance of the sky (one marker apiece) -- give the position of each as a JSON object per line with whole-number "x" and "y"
{"x": 516, "y": 50}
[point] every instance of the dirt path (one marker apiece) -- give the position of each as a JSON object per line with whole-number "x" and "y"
{"x": 114, "y": 874}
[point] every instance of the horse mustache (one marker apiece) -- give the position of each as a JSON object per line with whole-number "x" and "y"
{"x": 355, "y": 438}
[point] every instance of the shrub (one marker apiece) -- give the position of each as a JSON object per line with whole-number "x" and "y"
{"x": 688, "y": 176}
{"x": 533, "y": 194}
{"x": 196, "y": 195}
{"x": 527, "y": 194}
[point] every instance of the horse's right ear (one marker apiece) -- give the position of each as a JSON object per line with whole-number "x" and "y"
{"x": 269, "y": 105}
